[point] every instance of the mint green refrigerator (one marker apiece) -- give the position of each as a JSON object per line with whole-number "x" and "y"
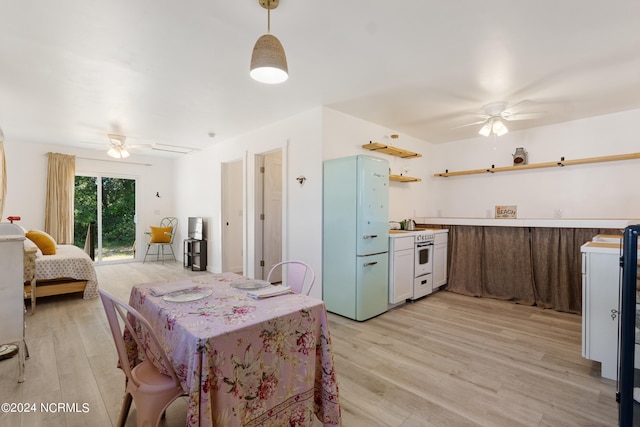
{"x": 355, "y": 279}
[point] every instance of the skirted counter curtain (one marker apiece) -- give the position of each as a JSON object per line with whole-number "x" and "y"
{"x": 528, "y": 265}
{"x": 58, "y": 219}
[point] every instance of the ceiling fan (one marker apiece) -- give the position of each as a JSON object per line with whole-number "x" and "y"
{"x": 119, "y": 148}
{"x": 496, "y": 114}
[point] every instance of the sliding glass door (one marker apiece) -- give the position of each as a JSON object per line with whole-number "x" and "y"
{"x": 105, "y": 217}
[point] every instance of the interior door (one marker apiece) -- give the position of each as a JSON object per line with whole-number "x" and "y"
{"x": 272, "y": 211}
{"x": 232, "y": 217}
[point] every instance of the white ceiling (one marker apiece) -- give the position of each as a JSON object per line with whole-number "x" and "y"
{"x": 170, "y": 72}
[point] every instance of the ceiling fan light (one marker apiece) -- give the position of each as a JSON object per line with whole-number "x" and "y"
{"x": 118, "y": 153}
{"x": 268, "y": 61}
{"x": 499, "y": 127}
{"x": 485, "y": 130}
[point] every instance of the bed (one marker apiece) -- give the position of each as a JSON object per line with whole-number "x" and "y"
{"x": 69, "y": 270}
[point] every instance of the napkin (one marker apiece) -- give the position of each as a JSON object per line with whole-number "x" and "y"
{"x": 165, "y": 288}
{"x": 269, "y": 291}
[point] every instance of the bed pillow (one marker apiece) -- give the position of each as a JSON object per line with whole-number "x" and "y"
{"x": 159, "y": 234}
{"x": 45, "y": 242}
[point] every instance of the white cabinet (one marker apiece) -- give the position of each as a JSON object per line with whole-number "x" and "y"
{"x": 401, "y": 260}
{"x": 600, "y": 284}
{"x": 440, "y": 259}
{"x": 12, "y": 290}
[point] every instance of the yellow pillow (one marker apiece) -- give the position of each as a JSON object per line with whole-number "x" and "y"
{"x": 45, "y": 242}
{"x": 161, "y": 234}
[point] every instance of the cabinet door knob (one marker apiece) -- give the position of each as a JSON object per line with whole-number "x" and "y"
{"x": 614, "y": 314}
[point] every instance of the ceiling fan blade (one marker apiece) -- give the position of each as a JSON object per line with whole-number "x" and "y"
{"x": 471, "y": 124}
{"x": 172, "y": 148}
{"x": 523, "y": 116}
{"x": 511, "y": 107}
{"x": 138, "y": 146}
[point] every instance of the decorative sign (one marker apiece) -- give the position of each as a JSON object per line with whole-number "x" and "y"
{"x": 506, "y": 212}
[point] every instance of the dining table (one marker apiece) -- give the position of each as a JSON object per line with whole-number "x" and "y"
{"x": 243, "y": 360}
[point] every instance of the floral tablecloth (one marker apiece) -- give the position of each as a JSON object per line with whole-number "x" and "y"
{"x": 246, "y": 362}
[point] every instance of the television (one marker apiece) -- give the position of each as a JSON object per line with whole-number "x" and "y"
{"x": 195, "y": 227}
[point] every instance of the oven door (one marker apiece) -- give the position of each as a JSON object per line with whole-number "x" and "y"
{"x": 424, "y": 259}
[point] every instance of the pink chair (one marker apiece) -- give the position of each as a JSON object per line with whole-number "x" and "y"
{"x": 151, "y": 390}
{"x": 297, "y": 272}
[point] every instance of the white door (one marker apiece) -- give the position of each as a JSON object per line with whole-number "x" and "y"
{"x": 272, "y": 211}
{"x": 232, "y": 217}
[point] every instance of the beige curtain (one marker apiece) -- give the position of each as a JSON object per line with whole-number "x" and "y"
{"x": 58, "y": 221}
{"x": 3, "y": 178}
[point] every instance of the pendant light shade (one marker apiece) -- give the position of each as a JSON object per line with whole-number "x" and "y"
{"x": 268, "y": 61}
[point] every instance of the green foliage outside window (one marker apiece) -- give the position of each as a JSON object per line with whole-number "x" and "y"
{"x": 118, "y": 212}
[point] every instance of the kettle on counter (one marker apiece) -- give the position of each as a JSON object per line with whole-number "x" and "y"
{"x": 410, "y": 225}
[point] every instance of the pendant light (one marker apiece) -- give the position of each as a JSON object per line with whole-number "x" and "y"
{"x": 268, "y": 61}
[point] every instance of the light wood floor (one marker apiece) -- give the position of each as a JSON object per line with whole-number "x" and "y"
{"x": 446, "y": 360}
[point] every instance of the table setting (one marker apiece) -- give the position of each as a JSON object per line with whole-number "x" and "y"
{"x": 249, "y": 353}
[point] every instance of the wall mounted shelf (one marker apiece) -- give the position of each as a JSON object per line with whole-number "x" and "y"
{"x": 388, "y": 149}
{"x": 402, "y": 178}
{"x": 561, "y": 162}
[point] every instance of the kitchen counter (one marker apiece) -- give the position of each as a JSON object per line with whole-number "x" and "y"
{"x": 619, "y": 223}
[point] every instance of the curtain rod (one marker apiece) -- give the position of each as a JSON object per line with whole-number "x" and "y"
{"x": 112, "y": 161}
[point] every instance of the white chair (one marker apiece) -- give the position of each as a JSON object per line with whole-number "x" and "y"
{"x": 162, "y": 236}
{"x": 299, "y": 275}
{"x": 151, "y": 390}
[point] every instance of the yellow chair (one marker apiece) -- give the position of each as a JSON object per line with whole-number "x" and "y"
{"x": 162, "y": 236}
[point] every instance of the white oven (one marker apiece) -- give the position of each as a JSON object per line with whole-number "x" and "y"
{"x": 424, "y": 258}
{"x": 423, "y": 265}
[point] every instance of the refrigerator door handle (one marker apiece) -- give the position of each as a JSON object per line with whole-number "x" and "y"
{"x": 369, "y": 236}
{"x": 367, "y": 264}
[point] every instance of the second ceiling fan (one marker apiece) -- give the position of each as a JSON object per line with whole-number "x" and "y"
{"x": 496, "y": 114}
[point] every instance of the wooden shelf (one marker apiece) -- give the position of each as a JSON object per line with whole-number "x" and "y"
{"x": 388, "y": 149}
{"x": 561, "y": 162}
{"x": 402, "y": 178}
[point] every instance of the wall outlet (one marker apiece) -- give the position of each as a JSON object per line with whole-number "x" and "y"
{"x": 557, "y": 213}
